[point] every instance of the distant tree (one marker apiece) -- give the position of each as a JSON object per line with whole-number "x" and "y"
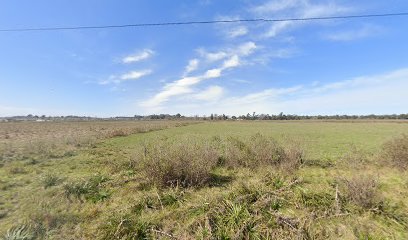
{"x": 212, "y": 116}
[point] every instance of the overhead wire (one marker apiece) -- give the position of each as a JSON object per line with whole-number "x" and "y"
{"x": 36, "y": 29}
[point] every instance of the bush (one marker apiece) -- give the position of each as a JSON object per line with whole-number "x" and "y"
{"x": 396, "y": 151}
{"x": 293, "y": 157}
{"x": 256, "y": 151}
{"x": 362, "y": 191}
{"x": 185, "y": 163}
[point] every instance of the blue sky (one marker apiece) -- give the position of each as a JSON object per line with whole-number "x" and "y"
{"x": 357, "y": 66}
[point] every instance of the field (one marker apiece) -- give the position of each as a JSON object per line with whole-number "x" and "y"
{"x": 204, "y": 180}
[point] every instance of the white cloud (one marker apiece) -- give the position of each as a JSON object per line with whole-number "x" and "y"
{"x": 295, "y": 8}
{"x": 192, "y": 66}
{"x": 243, "y": 49}
{"x": 262, "y": 96}
{"x": 134, "y": 75}
{"x": 212, "y": 93}
{"x": 145, "y": 54}
{"x": 231, "y": 62}
{"x": 237, "y": 32}
{"x": 246, "y": 49}
{"x": 355, "y": 34}
{"x": 184, "y": 85}
{"x": 380, "y": 94}
{"x": 212, "y": 56}
{"x": 276, "y": 6}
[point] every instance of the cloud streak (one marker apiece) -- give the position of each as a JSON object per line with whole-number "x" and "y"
{"x": 139, "y": 56}
{"x": 354, "y": 34}
{"x": 130, "y": 76}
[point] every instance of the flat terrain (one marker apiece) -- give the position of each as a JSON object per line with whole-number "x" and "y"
{"x": 210, "y": 180}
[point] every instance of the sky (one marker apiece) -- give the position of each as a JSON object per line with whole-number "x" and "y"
{"x": 343, "y": 66}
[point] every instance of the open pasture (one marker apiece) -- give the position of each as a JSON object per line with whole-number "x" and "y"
{"x": 211, "y": 180}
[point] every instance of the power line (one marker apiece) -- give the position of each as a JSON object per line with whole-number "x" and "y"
{"x": 202, "y": 22}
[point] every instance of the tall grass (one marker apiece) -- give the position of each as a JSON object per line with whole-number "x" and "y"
{"x": 186, "y": 162}
{"x": 396, "y": 151}
{"x": 190, "y": 160}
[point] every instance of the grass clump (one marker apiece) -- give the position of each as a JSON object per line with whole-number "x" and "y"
{"x": 396, "y": 151}
{"x": 186, "y": 162}
{"x": 258, "y": 150}
{"x": 50, "y": 180}
{"x": 125, "y": 227}
{"x": 233, "y": 221}
{"x": 22, "y": 232}
{"x": 91, "y": 189}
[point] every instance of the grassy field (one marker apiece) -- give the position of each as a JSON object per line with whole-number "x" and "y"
{"x": 212, "y": 180}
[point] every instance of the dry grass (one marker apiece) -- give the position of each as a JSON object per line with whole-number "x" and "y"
{"x": 185, "y": 183}
{"x": 363, "y": 191}
{"x": 396, "y": 151}
{"x": 43, "y": 140}
{"x": 186, "y": 162}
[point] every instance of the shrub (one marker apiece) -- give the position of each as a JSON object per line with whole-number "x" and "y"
{"x": 185, "y": 163}
{"x": 117, "y": 133}
{"x": 256, "y": 151}
{"x": 362, "y": 191}
{"x": 293, "y": 156}
{"x": 396, "y": 151}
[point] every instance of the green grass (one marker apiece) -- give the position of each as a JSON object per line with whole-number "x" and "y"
{"x": 102, "y": 192}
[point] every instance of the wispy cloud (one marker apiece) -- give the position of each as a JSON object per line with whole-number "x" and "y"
{"x": 294, "y": 8}
{"x": 185, "y": 84}
{"x": 212, "y": 93}
{"x": 237, "y": 32}
{"x": 384, "y": 93}
{"x": 132, "y": 75}
{"x": 192, "y": 66}
{"x": 139, "y": 56}
{"x": 354, "y": 34}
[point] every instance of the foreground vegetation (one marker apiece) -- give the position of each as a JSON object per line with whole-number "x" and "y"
{"x": 223, "y": 180}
